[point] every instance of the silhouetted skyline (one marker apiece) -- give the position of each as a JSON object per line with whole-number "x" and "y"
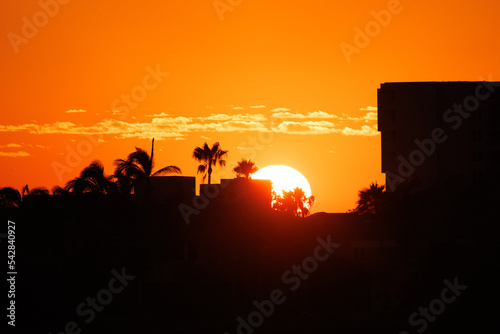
{"x": 143, "y": 147}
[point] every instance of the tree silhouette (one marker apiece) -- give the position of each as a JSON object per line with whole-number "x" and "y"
{"x": 10, "y": 197}
{"x": 293, "y": 202}
{"x": 371, "y": 199}
{"x": 209, "y": 157}
{"x": 245, "y": 168}
{"x": 137, "y": 167}
{"x": 58, "y": 190}
{"x": 35, "y": 191}
{"x": 92, "y": 179}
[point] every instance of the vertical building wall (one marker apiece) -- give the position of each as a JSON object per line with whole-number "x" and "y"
{"x": 411, "y": 116}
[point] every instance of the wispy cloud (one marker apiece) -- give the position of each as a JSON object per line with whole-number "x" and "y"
{"x": 10, "y": 145}
{"x": 159, "y": 115}
{"x": 286, "y": 114}
{"x": 323, "y": 127}
{"x": 321, "y": 114}
{"x": 238, "y": 117}
{"x": 365, "y": 130}
{"x": 229, "y": 126}
{"x": 314, "y": 114}
{"x": 369, "y": 108}
{"x": 165, "y": 126}
{"x": 238, "y": 108}
{"x": 14, "y": 154}
{"x": 370, "y": 116}
{"x": 56, "y": 127}
{"x": 259, "y": 106}
{"x": 73, "y": 111}
{"x": 280, "y": 109}
{"x": 303, "y": 128}
{"x": 216, "y": 117}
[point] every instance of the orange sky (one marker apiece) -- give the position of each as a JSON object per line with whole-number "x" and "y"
{"x": 274, "y": 68}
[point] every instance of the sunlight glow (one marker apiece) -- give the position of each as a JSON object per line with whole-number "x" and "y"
{"x": 283, "y": 178}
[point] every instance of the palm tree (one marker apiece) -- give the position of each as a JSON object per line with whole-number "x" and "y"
{"x": 293, "y": 202}
{"x": 92, "y": 179}
{"x": 35, "y": 191}
{"x": 209, "y": 157}
{"x": 58, "y": 190}
{"x": 245, "y": 168}
{"x": 137, "y": 167}
{"x": 370, "y": 199}
{"x": 10, "y": 197}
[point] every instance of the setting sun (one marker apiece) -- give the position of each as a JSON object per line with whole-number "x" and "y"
{"x": 283, "y": 178}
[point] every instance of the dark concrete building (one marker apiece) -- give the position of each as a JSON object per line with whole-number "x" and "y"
{"x": 438, "y": 132}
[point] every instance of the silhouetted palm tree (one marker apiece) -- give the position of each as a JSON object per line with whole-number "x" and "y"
{"x": 35, "y": 191}
{"x": 294, "y": 202}
{"x": 124, "y": 183}
{"x": 209, "y": 157}
{"x": 92, "y": 179}
{"x": 10, "y": 197}
{"x": 245, "y": 168}
{"x": 58, "y": 190}
{"x": 137, "y": 167}
{"x": 371, "y": 199}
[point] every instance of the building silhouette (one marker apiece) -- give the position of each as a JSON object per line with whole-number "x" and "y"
{"x": 173, "y": 190}
{"x": 439, "y": 132}
{"x": 205, "y": 274}
{"x": 167, "y": 188}
{"x": 239, "y": 190}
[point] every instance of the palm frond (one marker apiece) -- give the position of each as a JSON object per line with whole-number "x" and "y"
{"x": 141, "y": 159}
{"x": 39, "y": 191}
{"x": 201, "y": 169}
{"x": 168, "y": 170}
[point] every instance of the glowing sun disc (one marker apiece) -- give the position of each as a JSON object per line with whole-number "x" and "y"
{"x": 283, "y": 178}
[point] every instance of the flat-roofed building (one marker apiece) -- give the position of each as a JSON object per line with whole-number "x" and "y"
{"x": 240, "y": 191}
{"x": 167, "y": 189}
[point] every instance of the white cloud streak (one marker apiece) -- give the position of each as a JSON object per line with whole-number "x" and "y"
{"x": 14, "y": 154}
{"x": 74, "y": 111}
{"x": 165, "y": 126}
{"x": 11, "y": 145}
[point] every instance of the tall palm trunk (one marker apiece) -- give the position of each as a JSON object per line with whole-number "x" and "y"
{"x": 209, "y": 172}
